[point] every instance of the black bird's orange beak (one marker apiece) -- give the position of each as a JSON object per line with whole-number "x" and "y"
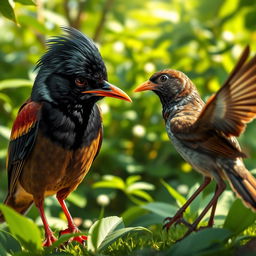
{"x": 109, "y": 90}
{"x": 148, "y": 85}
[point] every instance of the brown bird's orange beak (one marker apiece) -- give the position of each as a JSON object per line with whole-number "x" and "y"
{"x": 109, "y": 90}
{"x": 148, "y": 85}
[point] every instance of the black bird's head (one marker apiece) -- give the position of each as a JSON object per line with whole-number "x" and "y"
{"x": 72, "y": 71}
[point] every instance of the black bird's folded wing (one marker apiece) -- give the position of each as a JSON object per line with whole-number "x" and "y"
{"x": 22, "y": 140}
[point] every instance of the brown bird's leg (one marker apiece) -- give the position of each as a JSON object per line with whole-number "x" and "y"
{"x": 220, "y": 188}
{"x": 71, "y": 225}
{"x": 49, "y": 237}
{"x": 214, "y": 206}
{"x": 179, "y": 214}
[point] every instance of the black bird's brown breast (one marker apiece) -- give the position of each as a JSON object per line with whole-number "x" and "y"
{"x": 66, "y": 145}
{"x": 51, "y": 168}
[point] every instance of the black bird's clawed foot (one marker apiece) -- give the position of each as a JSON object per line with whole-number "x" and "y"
{"x": 80, "y": 239}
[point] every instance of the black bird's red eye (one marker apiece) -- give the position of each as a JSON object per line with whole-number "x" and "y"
{"x": 80, "y": 81}
{"x": 163, "y": 78}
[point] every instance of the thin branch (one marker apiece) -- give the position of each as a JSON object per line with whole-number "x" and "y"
{"x": 106, "y": 8}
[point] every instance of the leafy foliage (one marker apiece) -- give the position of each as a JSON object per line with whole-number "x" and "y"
{"x": 137, "y": 169}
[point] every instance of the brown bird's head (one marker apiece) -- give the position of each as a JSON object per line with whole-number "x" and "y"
{"x": 170, "y": 85}
{"x": 73, "y": 71}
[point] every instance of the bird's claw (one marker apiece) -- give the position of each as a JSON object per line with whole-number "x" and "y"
{"x": 80, "y": 239}
{"x": 49, "y": 240}
{"x": 174, "y": 220}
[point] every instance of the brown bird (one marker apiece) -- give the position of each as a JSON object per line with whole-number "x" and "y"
{"x": 58, "y": 131}
{"x": 204, "y": 134}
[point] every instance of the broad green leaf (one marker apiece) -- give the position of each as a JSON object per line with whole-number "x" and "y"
{"x": 162, "y": 209}
{"x": 8, "y": 242}
{"x": 15, "y": 83}
{"x": 181, "y": 200}
{"x": 239, "y": 217}
{"x": 7, "y": 10}
{"x": 25, "y": 2}
{"x": 102, "y": 228}
{"x": 23, "y": 229}
{"x": 112, "y": 237}
{"x": 198, "y": 243}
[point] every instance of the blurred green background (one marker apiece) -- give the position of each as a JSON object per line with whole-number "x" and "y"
{"x": 136, "y": 38}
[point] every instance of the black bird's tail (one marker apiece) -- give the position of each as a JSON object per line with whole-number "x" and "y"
{"x": 244, "y": 185}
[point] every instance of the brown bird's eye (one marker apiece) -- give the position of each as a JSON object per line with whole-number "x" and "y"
{"x": 80, "y": 82}
{"x": 163, "y": 78}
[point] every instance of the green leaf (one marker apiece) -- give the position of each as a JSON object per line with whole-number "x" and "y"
{"x": 239, "y": 217}
{"x": 7, "y": 10}
{"x": 77, "y": 199}
{"x": 8, "y": 242}
{"x": 110, "y": 181}
{"x": 142, "y": 194}
{"x": 25, "y": 2}
{"x": 162, "y": 209}
{"x": 100, "y": 230}
{"x": 23, "y": 229}
{"x": 5, "y": 132}
{"x": 132, "y": 213}
{"x": 131, "y": 179}
{"x": 181, "y": 200}
{"x": 112, "y": 237}
{"x": 15, "y": 83}
{"x": 140, "y": 186}
{"x": 198, "y": 243}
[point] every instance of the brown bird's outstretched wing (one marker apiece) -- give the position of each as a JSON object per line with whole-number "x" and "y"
{"x": 22, "y": 139}
{"x": 234, "y": 105}
{"x": 224, "y": 114}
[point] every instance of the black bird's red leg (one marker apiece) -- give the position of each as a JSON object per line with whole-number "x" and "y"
{"x": 179, "y": 214}
{"x": 49, "y": 237}
{"x": 71, "y": 225}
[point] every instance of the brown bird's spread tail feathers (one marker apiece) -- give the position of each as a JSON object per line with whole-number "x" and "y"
{"x": 244, "y": 185}
{"x": 20, "y": 206}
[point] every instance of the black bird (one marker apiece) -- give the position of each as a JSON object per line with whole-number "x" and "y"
{"x": 58, "y": 131}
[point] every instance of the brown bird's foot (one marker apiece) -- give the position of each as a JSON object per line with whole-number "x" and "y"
{"x": 184, "y": 222}
{"x": 49, "y": 240}
{"x": 72, "y": 230}
{"x": 177, "y": 219}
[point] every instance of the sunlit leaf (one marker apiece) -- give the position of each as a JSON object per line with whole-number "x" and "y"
{"x": 142, "y": 194}
{"x": 25, "y": 2}
{"x": 175, "y": 194}
{"x": 103, "y": 228}
{"x": 7, "y": 10}
{"x": 140, "y": 186}
{"x": 23, "y": 229}
{"x": 14, "y": 83}
{"x": 110, "y": 181}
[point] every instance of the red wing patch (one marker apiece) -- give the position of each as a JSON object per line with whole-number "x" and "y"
{"x": 27, "y": 117}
